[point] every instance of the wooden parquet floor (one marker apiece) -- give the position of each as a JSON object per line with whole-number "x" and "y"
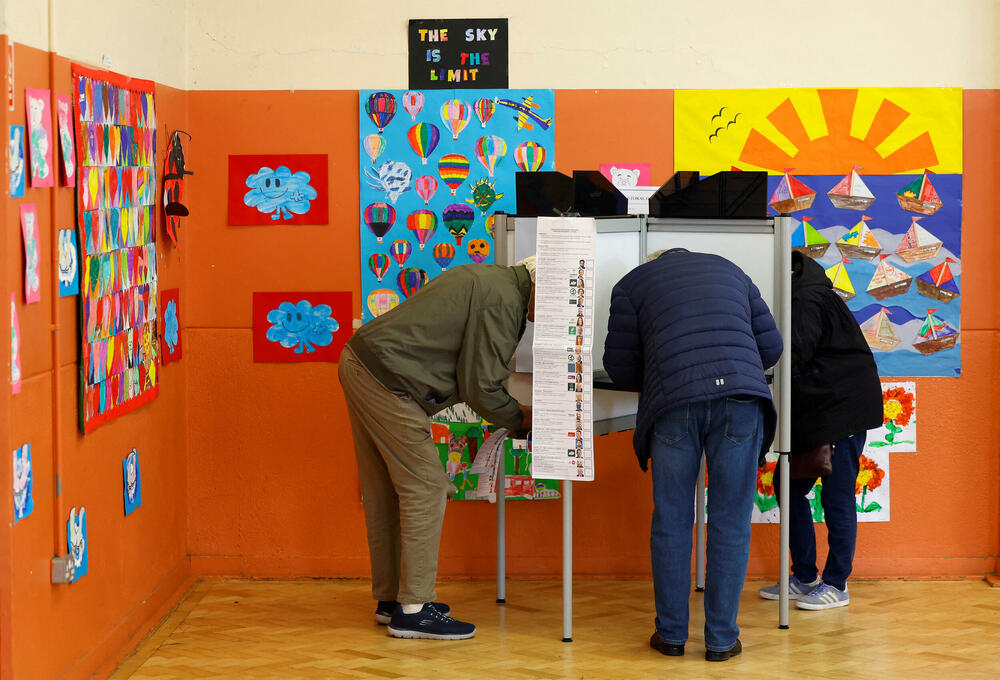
{"x": 324, "y": 629}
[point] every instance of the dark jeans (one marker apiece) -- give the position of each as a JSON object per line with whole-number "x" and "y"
{"x": 841, "y": 516}
{"x": 729, "y": 431}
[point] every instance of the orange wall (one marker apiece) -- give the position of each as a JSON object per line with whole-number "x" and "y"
{"x": 137, "y": 564}
{"x": 272, "y": 484}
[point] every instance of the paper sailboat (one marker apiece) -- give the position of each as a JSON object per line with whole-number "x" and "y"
{"x": 860, "y": 242}
{"x": 888, "y": 281}
{"x": 918, "y": 243}
{"x": 851, "y": 193}
{"x": 808, "y": 241}
{"x": 878, "y": 331}
{"x": 935, "y": 335}
{"x": 919, "y": 196}
{"x": 791, "y": 195}
{"x": 939, "y": 283}
{"x": 842, "y": 285}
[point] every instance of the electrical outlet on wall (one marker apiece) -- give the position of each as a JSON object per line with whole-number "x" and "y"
{"x": 63, "y": 569}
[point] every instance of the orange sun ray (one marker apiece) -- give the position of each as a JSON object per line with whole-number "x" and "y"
{"x": 787, "y": 120}
{"x": 888, "y": 117}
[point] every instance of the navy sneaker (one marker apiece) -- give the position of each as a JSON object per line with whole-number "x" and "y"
{"x": 430, "y": 624}
{"x": 386, "y": 608}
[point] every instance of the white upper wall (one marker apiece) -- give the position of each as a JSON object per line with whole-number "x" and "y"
{"x": 353, "y": 44}
{"x": 143, "y": 38}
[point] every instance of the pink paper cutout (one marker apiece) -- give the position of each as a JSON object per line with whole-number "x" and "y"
{"x": 38, "y": 106}
{"x": 32, "y": 269}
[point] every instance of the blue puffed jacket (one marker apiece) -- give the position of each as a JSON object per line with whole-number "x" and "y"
{"x": 689, "y": 327}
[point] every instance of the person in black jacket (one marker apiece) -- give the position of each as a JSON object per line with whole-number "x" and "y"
{"x": 836, "y": 399}
{"x": 691, "y": 333}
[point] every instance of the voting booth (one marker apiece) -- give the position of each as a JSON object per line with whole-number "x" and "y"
{"x": 761, "y": 247}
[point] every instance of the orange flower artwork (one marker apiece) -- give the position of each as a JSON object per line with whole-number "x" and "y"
{"x": 899, "y": 406}
{"x": 870, "y": 477}
{"x": 765, "y": 498}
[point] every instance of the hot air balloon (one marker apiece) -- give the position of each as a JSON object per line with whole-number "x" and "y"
{"x": 410, "y": 280}
{"x": 413, "y": 102}
{"x": 379, "y": 264}
{"x": 453, "y": 168}
{"x": 455, "y": 115}
{"x": 444, "y": 253}
{"x": 381, "y": 300}
{"x": 490, "y": 150}
{"x": 491, "y": 224}
{"x": 484, "y": 195}
{"x": 400, "y": 251}
{"x": 423, "y": 138}
{"x": 484, "y": 110}
{"x": 374, "y": 145}
{"x": 380, "y": 217}
{"x": 426, "y": 187}
{"x": 458, "y": 218}
{"x": 422, "y": 223}
{"x": 380, "y": 107}
{"x": 529, "y": 156}
{"x": 479, "y": 250}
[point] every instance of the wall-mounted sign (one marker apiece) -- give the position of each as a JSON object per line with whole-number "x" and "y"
{"x": 458, "y": 54}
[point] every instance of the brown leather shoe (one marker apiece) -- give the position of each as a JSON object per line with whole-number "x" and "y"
{"x": 724, "y": 655}
{"x": 665, "y": 647}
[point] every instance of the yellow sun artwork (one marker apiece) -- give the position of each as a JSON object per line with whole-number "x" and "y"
{"x": 824, "y": 131}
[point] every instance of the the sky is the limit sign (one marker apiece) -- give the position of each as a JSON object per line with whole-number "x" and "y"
{"x": 458, "y": 54}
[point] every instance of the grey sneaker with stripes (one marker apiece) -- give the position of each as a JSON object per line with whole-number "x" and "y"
{"x": 824, "y": 596}
{"x": 796, "y": 589}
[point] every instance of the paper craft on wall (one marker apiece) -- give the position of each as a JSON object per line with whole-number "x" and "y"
{"x": 898, "y": 433}
{"x": 38, "y": 104}
{"x": 116, "y": 156}
{"x": 435, "y": 165}
{"x": 10, "y": 75}
{"x": 874, "y": 176}
{"x": 170, "y": 325}
{"x": 65, "y": 118}
{"x": 131, "y": 482}
{"x": 76, "y": 541}
{"x": 173, "y": 185}
{"x": 32, "y": 272}
{"x": 15, "y": 347}
{"x": 278, "y": 189}
{"x": 292, "y": 327}
{"x": 69, "y": 271}
{"x": 15, "y": 152}
{"x": 24, "y": 502}
{"x": 626, "y": 174}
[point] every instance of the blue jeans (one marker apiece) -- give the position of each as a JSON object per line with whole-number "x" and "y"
{"x": 729, "y": 431}
{"x": 840, "y": 514}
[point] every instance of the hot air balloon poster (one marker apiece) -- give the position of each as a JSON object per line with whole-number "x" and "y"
{"x": 296, "y": 327}
{"x": 279, "y": 189}
{"x": 117, "y": 209}
{"x": 435, "y": 165}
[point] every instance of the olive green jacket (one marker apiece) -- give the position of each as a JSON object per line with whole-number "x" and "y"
{"x": 452, "y": 340}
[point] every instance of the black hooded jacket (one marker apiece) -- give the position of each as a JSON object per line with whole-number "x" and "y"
{"x": 835, "y": 387}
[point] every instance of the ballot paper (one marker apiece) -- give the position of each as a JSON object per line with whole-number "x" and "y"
{"x": 485, "y": 465}
{"x": 562, "y": 375}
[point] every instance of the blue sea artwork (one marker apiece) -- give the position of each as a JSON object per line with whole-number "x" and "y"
{"x": 15, "y": 152}
{"x": 24, "y": 502}
{"x": 302, "y": 326}
{"x": 171, "y": 327}
{"x": 69, "y": 271}
{"x": 279, "y": 193}
{"x": 899, "y": 348}
{"x": 131, "y": 482}
{"x": 76, "y": 542}
{"x": 435, "y": 167}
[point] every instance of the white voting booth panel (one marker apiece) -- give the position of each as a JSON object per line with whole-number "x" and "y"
{"x": 762, "y": 248}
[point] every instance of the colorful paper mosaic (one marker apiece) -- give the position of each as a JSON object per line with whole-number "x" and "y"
{"x": 116, "y": 153}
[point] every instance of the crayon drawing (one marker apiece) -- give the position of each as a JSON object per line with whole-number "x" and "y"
{"x": 38, "y": 104}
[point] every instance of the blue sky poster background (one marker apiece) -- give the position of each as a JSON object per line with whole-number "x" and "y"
{"x": 502, "y": 124}
{"x": 889, "y": 223}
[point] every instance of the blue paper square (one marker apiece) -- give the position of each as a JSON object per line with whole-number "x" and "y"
{"x": 15, "y": 150}
{"x": 24, "y": 503}
{"x": 69, "y": 271}
{"x": 76, "y": 542}
{"x": 132, "y": 482}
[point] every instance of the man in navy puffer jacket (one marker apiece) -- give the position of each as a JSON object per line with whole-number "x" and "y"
{"x": 692, "y": 334}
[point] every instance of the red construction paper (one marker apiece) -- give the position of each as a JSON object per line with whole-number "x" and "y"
{"x": 243, "y": 167}
{"x": 166, "y": 297}
{"x": 304, "y": 333}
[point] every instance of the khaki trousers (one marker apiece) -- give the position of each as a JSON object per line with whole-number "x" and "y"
{"x": 402, "y": 481}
